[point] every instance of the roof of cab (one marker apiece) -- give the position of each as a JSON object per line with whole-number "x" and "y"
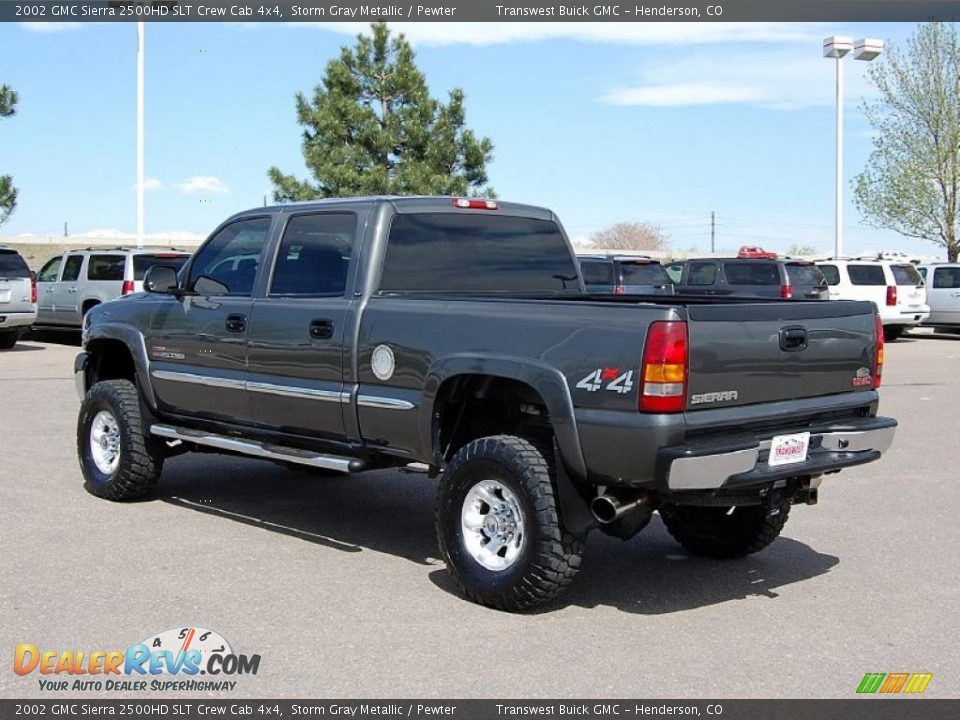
{"x": 407, "y": 203}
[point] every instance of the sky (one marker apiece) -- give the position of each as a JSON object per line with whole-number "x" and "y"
{"x": 601, "y": 122}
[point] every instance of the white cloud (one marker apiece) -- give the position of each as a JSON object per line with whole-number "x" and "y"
{"x": 149, "y": 184}
{"x": 200, "y": 184}
{"x": 625, "y": 33}
{"x": 769, "y": 77}
{"x": 50, "y": 27}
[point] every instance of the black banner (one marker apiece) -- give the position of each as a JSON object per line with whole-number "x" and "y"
{"x": 479, "y": 11}
{"x": 189, "y": 709}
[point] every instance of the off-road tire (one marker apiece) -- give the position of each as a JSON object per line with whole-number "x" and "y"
{"x": 710, "y": 532}
{"x": 140, "y": 458}
{"x": 550, "y": 555}
{"x": 894, "y": 332}
{"x": 9, "y": 338}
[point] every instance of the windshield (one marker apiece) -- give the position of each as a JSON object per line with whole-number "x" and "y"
{"x": 636, "y": 273}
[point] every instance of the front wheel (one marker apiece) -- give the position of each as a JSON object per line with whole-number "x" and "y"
{"x": 725, "y": 532}
{"x": 499, "y": 528}
{"x": 119, "y": 462}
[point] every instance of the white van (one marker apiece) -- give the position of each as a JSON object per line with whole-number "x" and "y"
{"x": 943, "y": 295}
{"x": 896, "y": 288}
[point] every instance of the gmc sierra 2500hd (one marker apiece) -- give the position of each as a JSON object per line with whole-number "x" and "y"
{"x": 365, "y": 333}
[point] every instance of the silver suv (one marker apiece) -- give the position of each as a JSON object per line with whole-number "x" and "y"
{"x": 18, "y": 298}
{"x": 72, "y": 283}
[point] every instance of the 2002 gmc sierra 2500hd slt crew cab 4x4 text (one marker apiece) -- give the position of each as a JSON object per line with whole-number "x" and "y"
{"x": 365, "y": 333}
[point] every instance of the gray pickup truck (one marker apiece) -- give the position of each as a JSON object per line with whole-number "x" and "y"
{"x": 348, "y": 335}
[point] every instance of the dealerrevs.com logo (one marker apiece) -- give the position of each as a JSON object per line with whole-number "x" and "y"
{"x": 187, "y": 658}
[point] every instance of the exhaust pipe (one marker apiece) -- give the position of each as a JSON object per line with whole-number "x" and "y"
{"x": 607, "y": 508}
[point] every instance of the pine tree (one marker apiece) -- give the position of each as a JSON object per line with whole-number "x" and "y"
{"x": 373, "y": 129}
{"x": 8, "y": 193}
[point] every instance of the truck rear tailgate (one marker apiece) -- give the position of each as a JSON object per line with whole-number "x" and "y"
{"x": 765, "y": 352}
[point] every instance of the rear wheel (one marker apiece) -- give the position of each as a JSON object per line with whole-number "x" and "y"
{"x": 725, "y": 532}
{"x": 499, "y": 528}
{"x": 893, "y": 332}
{"x": 8, "y": 338}
{"x": 119, "y": 462}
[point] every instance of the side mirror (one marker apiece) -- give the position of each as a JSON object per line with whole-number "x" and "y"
{"x": 160, "y": 279}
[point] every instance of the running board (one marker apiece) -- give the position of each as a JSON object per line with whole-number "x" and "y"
{"x": 254, "y": 448}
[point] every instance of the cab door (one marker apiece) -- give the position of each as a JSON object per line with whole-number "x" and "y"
{"x": 197, "y": 343}
{"x": 297, "y": 342}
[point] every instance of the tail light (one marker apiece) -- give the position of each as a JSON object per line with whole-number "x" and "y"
{"x": 127, "y": 287}
{"x": 34, "y": 296}
{"x": 786, "y": 291}
{"x": 618, "y": 290}
{"x": 664, "y": 371}
{"x": 878, "y": 359}
{"x": 891, "y": 294}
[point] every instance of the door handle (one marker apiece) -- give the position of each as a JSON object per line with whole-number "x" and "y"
{"x": 793, "y": 339}
{"x": 321, "y": 329}
{"x": 236, "y": 322}
{"x": 71, "y": 290}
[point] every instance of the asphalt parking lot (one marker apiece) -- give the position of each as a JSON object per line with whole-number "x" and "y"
{"x": 335, "y": 580}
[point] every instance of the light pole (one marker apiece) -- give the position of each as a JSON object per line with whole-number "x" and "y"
{"x": 140, "y": 135}
{"x": 837, "y": 47}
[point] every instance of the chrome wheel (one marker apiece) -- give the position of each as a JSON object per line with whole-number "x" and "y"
{"x": 492, "y": 524}
{"x": 105, "y": 442}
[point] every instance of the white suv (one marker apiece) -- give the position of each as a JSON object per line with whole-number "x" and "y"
{"x": 896, "y": 288}
{"x": 943, "y": 294}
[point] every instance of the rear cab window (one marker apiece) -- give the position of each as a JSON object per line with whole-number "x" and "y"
{"x": 445, "y": 252}
{"x": 867, "y": 274}
{"x": 12, "y": 265}
{"x": 752, "y": 273}
{"x": 106, "y": 267}
{"x": 643, "y": 273}
{"x": 142, "y": 263}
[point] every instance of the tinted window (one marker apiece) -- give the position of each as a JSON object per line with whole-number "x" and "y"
{"x": 597, "y": 273}
{"x": 866, "y": 275}
{"x": 674, "y": 272}
{"x": 643, "y": 274}
{"x": 106, "y": 267}
{"x": 314, "y": 255}
{"x": 71, "y": 268}
{"x": 805, "y": 275}
{"x": 453, "y": 252}
{"x": 906, "y": 275}
{"x": 702, "y": 273}
{"x": 923, "y": 272}
{"x": 142, "y": 263}
{"x": 232, "y": 256}
{"x": 48, "y": 273}
{"x": 946, "y": 277}
{"x": 831, "y": 273}
{"x": 752, "y": 273}
{"x": 13, "y": 266}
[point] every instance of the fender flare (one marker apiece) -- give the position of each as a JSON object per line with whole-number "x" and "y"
{"x": 134, "y": 342}
{"x": 544, "y": 379}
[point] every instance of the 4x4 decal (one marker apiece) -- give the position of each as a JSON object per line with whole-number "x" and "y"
{"x": 615, "y": 380}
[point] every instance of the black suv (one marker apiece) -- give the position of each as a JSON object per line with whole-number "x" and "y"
{"x": 741, "y": 277}
{"x": 624, "y": 275}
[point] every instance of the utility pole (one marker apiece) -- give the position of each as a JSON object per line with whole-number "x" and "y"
{"x": 713, "y": 229}
{"x": 65, "y": 228}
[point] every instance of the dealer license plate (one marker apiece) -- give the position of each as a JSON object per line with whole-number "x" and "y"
{"x": 788, "y": 449}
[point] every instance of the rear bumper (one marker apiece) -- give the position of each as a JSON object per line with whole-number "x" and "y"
{"x": 715, "y": 464}
{"x": 905, "y": 316}
{"x": 17, "y": 319}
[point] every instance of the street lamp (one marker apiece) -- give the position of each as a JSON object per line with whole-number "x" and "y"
{"x": 837, "y": 47}
{"x": 140, "y": 50}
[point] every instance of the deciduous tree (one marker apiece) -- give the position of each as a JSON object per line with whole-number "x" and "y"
{"x": 631, "y": 236}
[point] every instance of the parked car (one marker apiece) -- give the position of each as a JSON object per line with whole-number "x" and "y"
{"x": 72, "y": 283}
{"x": 740, "y": 277}
{"x": 624, "y": 275}
{"x": 378, "y": 332}
{"x": 18, "y": 298}
{"x": 756, "y": 252}
{"x": 896, "y": 288}
{"x": 943, "y": 295}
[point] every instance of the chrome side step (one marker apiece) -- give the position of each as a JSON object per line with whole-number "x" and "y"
{"x": 258, "y": 449}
